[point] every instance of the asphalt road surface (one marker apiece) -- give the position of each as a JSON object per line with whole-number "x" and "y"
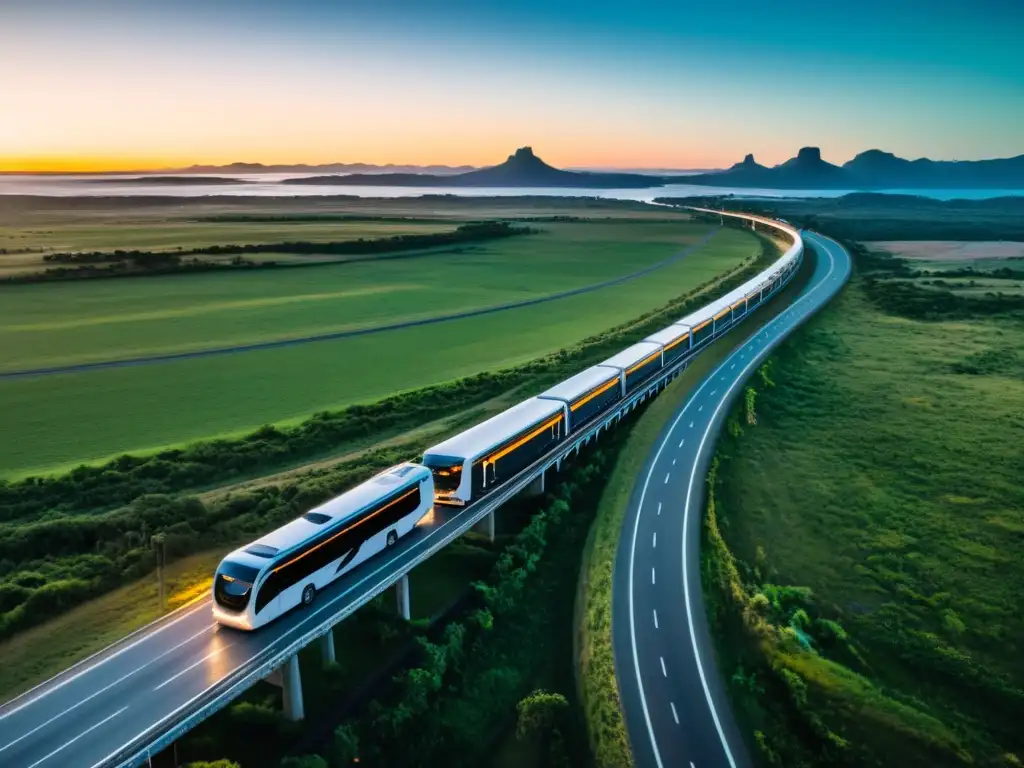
{"x": 675, "y": 701}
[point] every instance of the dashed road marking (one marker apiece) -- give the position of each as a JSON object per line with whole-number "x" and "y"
{"x": 655, "y": 618}
{"x": 675, "y": 714}
{"x": 659, "y": 507}
{"x": 654, "y": 541}
{"x": 664, "y": 672}
{"x": 652, "y": 574}
{"x": 667, "y": 476}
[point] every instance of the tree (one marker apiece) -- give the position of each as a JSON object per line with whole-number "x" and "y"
{"x": 345, "y": 749}
{"x": 539, "y": 713}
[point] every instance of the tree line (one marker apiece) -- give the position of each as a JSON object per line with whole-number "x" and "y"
{"x": 121, "y": 262}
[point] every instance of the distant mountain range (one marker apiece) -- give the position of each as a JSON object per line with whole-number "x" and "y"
{"x": 521, "y": 169}
{"x": 869, "y": 170}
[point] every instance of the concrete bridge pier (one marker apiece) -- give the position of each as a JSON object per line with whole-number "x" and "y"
{"x": 486, "y": 526}
{"x": 327, "y": 647}
{"x": 402, "y": 597}
{"x": 536, "y": 486}
{"x": 287, "y": 678}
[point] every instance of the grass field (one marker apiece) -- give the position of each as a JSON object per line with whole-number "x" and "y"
{"x": 67, "y": 419}
{"x": 884, "y": 473}
{"x": 79, "y": 321}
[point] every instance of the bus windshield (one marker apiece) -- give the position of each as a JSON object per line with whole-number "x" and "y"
{"x": 233, "y": 585}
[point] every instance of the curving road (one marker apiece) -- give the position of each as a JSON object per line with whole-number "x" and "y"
{"x": 675, "y": 701}
{"x": 127, "y": 362}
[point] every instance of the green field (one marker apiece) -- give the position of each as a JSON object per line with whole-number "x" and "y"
{"x": 884, "y": 473}
{"x": 70, "y": 418}
{"x": 86, "y": 320}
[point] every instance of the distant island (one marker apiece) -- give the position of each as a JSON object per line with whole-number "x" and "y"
{"x": 871, "y": 170}
{"x": 170, "y": 180}
{"x": 521, "y": 169}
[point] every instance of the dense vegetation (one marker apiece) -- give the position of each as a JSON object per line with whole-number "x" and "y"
{"x": 868, "y": 216}
{"x": 58, "y": 545}
{"x": 133, "y": 262}
{"x": 864, "y": 590}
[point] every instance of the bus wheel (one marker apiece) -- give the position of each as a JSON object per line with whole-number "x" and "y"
{"x": 308, "y": 594}
{"x": 392, "y": 538}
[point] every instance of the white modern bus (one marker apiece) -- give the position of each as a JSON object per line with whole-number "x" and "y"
{"x": 260, "y": 581}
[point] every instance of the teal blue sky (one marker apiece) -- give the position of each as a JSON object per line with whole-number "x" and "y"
{"x": 653, "y": 84}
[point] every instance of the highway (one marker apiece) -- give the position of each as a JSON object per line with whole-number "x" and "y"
{"x": 138, "y": 695}
{"x": 675, "y": 701}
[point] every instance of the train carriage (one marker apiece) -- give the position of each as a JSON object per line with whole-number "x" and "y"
{"x": 477, "y": 461}
{"x": 587, "y": 393}
{"x": 637, "y": 364}
{"x": 674, "y": 340}
{"x": 286, "y": 568}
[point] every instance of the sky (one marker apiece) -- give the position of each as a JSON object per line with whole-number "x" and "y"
{"x": 132, "y": 84}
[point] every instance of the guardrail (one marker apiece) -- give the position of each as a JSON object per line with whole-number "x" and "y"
{"x": 163, "y": 733}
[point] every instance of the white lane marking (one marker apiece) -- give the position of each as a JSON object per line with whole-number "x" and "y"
{"x": 664, "y": 672}
{"x": 659, "y": 507}
{"x": 667, "y": 476}
{"x": 675, "y": 714}
{"x": 83, "y": 733}
{"x": 714, "y": 392}
{"x": 691, "y": 425}
{"x": 190, "y": 667}
{"x": 686, "y": 521}
{"x": 652, "y": 574}
{"x": 655, "y": 618}
{"x": 654, "y": 541}
{"x": 701, "y": 408}
{"x": 632, "y": 610}
{"x": 681, "y": 442}
{"x": 105, "y": 659}
{"x": 108, "y": 687}
{"x": 692, "y": 765}
{"x": 673, "y": 462}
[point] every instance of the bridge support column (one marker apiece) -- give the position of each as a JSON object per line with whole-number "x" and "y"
{"x": 536, "y": 487}
{"x": 291, "y": 688}
{"x": 486, "y": 526}
{"x": 327, "y": 647}
{"x": 402, "y": 596}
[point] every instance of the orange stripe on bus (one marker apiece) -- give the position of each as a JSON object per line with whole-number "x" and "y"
{"x": 595, "y": 393}
{"x": 349, "y": 528}
{"x": 506, "y": 451}
{"x": 643, "y": 362}
{"x": 680, "y": 340}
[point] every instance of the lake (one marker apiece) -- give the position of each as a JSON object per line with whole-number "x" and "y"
{"x": 265, "y": 185}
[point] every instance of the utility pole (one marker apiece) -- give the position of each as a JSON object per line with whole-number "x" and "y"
{"x": 157, "y": 540}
